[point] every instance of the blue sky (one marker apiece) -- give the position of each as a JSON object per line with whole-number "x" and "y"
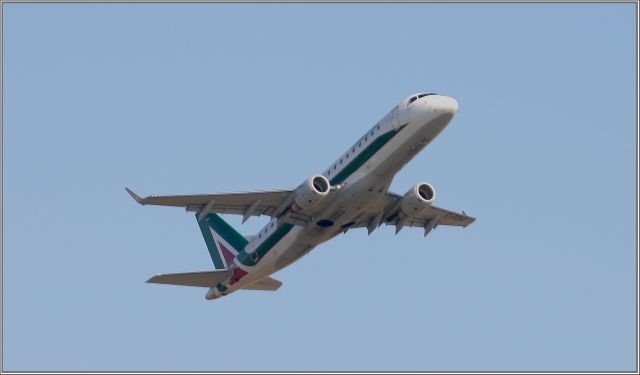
{"x": 190, "y": 98}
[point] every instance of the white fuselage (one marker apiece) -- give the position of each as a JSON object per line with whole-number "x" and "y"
{"x": 364, "y": 171}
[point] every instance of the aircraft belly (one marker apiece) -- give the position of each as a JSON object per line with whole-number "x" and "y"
{"x": 360, "y": 196}
{"x": 290, "y": 255}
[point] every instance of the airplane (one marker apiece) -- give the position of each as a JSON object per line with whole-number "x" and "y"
{"x": 351, "y": 193}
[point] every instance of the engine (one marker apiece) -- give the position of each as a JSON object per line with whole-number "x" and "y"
{"x": 311, "y": 192}
{"x": 417, "y": 199}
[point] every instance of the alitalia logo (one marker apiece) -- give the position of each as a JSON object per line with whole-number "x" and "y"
{"x": 226, "y": 251}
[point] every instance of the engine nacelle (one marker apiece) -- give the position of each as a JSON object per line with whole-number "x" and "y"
{"x": 311, "y": 192}
{"x": 417, "y": 199}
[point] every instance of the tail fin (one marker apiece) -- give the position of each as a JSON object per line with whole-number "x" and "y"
{"x": 222, "y": 240}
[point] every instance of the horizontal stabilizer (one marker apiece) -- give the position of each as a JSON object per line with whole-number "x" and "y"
{"x": 267, "y": 283}
{"x": 206, "y": 279}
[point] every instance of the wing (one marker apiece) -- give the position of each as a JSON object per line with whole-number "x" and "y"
{"x": 428, "y": 219}
{"x": 270, "y": 203}
{"x": 434, "y": 216}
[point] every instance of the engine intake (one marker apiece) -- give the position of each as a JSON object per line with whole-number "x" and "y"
{"x": 417, "y": 199}
{"x": 311, "y": 192}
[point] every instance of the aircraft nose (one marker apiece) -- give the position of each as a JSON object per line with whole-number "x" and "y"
{"x": 442, "y": 104}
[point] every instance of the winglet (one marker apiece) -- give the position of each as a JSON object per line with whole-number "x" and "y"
{"x": 135, "y": 196}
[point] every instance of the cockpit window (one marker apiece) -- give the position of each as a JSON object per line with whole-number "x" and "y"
{"x": 414, "y": 98}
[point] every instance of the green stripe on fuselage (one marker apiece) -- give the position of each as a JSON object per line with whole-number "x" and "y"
{"x": 265, "y": 246}
{"x": 365, "y": 155}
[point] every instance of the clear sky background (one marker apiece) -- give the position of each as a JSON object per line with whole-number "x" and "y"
{"x": 195, "y": 98}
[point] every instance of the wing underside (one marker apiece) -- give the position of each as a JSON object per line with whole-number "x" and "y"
{"x": 270, "y": 203}
{"x": 428, "y": 219}
{"x": 443, "y": 217}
